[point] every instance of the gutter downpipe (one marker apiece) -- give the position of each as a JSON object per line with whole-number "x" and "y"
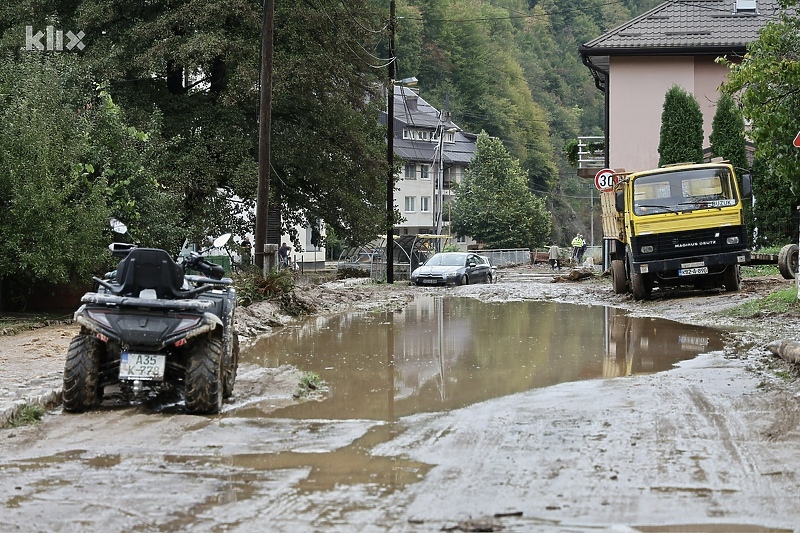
{"x": 601, "y": 81}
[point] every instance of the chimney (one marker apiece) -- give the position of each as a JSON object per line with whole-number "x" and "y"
{"x": 410, "y": 101}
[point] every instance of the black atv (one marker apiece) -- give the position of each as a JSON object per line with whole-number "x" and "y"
{"x": 151, "y": 324}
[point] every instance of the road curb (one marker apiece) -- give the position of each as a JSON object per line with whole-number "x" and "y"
{"x": 10, "y": 409}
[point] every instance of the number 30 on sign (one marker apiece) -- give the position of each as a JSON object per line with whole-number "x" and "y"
{"x": 604, "y": 180}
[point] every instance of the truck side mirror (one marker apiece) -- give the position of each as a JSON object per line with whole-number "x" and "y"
{"x": 619, "y": 201}
{"x": 747, "y": 186}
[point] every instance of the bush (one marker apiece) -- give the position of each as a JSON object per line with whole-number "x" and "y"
{"x": 252, "y": 287}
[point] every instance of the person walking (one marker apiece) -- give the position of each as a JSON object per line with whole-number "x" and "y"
{"x": 553, "y": 256}
{"x": 247, "y": 248}
{"x": 577, "y": 244}
{"x": 283, "y": 255}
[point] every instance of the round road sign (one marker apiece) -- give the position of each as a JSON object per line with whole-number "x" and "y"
{"x": 604, "y": 179}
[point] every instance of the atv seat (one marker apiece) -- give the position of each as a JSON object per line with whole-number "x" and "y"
{"x": 149, "y": 268}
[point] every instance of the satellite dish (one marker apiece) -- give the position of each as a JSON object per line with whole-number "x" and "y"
{"x": 220, "y": 241}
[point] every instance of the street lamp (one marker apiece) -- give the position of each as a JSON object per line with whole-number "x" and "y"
{"x": 390, "y": 154}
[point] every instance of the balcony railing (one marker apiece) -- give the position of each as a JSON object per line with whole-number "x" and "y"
{"x": 591, "y": 152}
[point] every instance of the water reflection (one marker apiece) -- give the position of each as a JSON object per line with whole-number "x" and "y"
{"x": 445, "y": 353}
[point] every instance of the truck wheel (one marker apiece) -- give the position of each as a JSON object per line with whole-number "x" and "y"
{"x": 230, "y": 365}
{"x": 732, "y": 278}
{"x": 203, "y": 384}
{"x": 787, "y": 261}
{"x": 618, "y": 279}
{"x": 640, "y": 286}
{"x": 82, "y": 373}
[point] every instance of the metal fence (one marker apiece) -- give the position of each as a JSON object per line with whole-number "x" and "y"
{"x": 507, "y": 257}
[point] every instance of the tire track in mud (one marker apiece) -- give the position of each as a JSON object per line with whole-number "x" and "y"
{"x": 723, "y": 460}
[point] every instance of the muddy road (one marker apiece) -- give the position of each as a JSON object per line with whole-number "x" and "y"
{"x": 711, "y": 444}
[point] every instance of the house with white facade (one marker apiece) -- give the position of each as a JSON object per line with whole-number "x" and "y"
{"x": 677, "y": 42}
{"x": 435, "y": 154}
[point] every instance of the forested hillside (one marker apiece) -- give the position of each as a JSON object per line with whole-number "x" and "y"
{"x": 154, "y": 117}
{"x": 512, "y": 68}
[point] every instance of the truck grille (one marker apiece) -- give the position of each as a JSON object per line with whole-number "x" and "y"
{"x": 688, "y": 243}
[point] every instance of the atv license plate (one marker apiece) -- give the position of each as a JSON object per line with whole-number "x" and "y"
{"x": 692, "y": 271}
{"x": 142, "y": 366}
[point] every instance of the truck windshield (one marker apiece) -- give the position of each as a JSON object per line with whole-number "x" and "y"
{"x": 684, "y": 190}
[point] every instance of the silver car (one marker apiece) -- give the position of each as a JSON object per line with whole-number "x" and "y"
{"x": 457, "y": 268}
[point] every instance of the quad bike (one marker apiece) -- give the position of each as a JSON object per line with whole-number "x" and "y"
{"x": 150, "y": 324}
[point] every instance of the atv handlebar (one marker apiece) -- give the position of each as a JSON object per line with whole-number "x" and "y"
{"x": 197, "y": 262}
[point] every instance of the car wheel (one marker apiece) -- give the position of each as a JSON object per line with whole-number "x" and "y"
{"x": 463, "y": 280}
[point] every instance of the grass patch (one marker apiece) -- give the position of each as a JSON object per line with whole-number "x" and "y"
{"x": 310, "y": 385}
{"x": 751, "y": 271}
{"x": 30, "y": 414}
{"x": 779, "y": 302}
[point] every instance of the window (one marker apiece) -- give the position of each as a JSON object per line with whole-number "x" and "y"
{"x": 425, "y": 204}
{"x": 424, "y": 172}
{"x": 411, "y": 171}
{"x": 409, "y": 207}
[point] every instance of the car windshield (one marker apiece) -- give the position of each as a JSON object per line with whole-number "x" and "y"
{"x": 684, "y": 190}
{"x": 447, "y": 260}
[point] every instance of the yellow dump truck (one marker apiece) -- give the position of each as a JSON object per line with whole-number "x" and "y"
{"x": 676, "y": 225}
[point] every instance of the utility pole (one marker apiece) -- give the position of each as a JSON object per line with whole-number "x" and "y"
{"x": 390, "y": 153}
{"x": 264, "y": 126}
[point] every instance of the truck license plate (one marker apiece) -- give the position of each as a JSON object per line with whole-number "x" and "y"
{"x": 692, "y": 271}
{"x": 142, "y": 366}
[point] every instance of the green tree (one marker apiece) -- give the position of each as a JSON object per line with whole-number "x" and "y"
{"x": 727, "y": 133}
{"x": 681, "y": 139}
{"x": 493, "y": 203}
{"x": 70, "y": 161}
{"x": 766, "y": 83}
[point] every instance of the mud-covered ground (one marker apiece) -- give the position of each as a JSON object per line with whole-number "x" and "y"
{"x": 713, "y": 445}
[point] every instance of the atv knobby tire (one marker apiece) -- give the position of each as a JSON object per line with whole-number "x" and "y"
{"x": 82, "y": 373}
{"x": 203, "y": 383}
{"x": 230, "y": 365}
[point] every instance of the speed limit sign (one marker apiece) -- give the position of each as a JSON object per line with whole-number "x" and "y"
{"x": 604, "y": 179}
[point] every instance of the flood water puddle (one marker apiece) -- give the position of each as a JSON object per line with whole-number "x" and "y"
{"x": 443, "y": 353}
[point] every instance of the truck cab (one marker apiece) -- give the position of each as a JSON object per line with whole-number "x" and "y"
{"x": 677, "y": 225}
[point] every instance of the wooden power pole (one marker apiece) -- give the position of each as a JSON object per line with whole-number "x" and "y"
{"x": 264, "y": 126}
